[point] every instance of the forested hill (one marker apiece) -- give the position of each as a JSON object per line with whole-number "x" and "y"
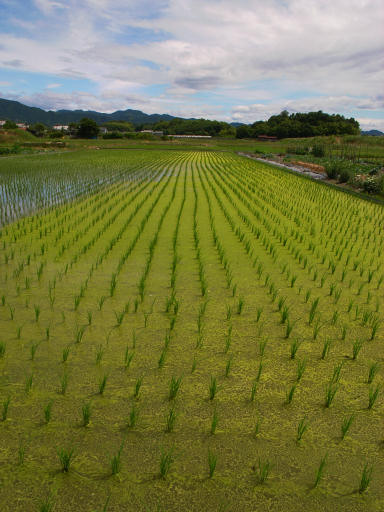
{"x": 18, "y": 112}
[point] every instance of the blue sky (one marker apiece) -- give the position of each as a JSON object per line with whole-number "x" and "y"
{"x": 235, "y": 61}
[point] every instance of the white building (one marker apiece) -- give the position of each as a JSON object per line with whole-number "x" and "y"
{"x": 60, "y": 127}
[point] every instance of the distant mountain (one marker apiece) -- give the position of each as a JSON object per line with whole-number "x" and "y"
{"x": 372, "y": 132}
{"x": 16, "y": 111}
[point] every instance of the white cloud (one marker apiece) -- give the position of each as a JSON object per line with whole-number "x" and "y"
{"x": 52, "y": 86}
{"x": 332, "y": 49}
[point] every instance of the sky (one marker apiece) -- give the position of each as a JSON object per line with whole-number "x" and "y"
{"x": 232, "y": 60}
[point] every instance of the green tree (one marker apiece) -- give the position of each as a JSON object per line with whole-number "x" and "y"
{"x": 87, "y": 129}
{"x": 9, "y": 125}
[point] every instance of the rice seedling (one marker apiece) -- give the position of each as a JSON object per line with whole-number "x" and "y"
{"x": 259, "y": 312}
{"x": 356, "y": 347}
{"x": 373, "y": 370}
{"x": 259, "y": 371}
{"x": 47, "y": 410}
{"x": 264, "y": 469}
{"x": 128, "y": 356}
{"x": 302, "y": 427}
{"x": 313, "y": 310}
{"x": 99, "y": 354}
{"x": 116, "y": 460}
{"x": 295, "y": 344}
{"x": 373, "y": 395}
{"x": 194, "y": 364}
{"x": 86, "y": 412}
{"x": 320, "y": 471}
{"x": 326, "y": 348}
{"x": 213, "y": 388}
{"x": 228, "y": 367}
{"x": 240, "y": 305}
{"x": 133, "y": 416}
{"x": 136, "y": 390}
{"x": 63, "y": 383}
{"x": 214, "y": 421}
{"x": 33, "y": 349}
{"x": 166, "y": 460}
{"x": 170, "y": 420}
{"x": 66, "y": 458}
{"x": 162, "y": 357}
{"x": 47, "y": 505}
{"x": 21, "y": 453}
{"x": 102, "y": 384}
{"x": 256, "y": 430}
{"x": 366, "y": 478}
{"x": 212, "y": 461}
{"x": 66, "y": 352}
{"x": 174, "y": 387}
{"x": 262, "y": 345}
{"x": 330, "y": 392}
{"x": 5, "y": 407}
{"x": 2, "y": 349}
{"x": 290, "y": 393}
{"x": 346, "y": 425}
{"x": 28, "y": 383}
{"x": 337, "y": 372}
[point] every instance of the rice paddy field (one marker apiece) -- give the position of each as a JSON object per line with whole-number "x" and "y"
{"x": 187, "y": 330}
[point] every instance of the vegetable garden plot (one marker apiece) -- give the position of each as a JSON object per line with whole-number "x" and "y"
{"x": 187, "y": 331}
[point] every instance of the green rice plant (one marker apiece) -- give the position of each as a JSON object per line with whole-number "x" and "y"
{"x": 281, "y": 303}
{"x": 101, "y": 301}
{"x": 307, "y": 295}
{"x": 330, "y": 392}
{"x": 346, "y": 425}
{"x": 79, "y": 333}
{"x": 133, "y": 416}
{"x": 213, "y": 388}
{"x": 262, "y": 345}
{"x": 302, "y": 427}
{"x": 174, "y": 386}
{"x": 337, "y": 372}
{"x": 166, "y": 461}
{"x": 259, "y": 312}
{"x": 194, "y": 364}
{"x": 11, "y": 311}
{"x": 234, "y": 288}
{"x": 317, "y": 327}
{"x": 284, "y": 313}
{"x": 102, "y": 384}
{"x": 320, "y": 471}
{"x": 256, "y": 430}
{"x": 47, "y": 505}
{"x": 253, "y": 391}
{"x": 89, "y": 317}
{"x": 212, "y": 461}
{"x": 373, "y": 395}
{"x": 356, "y": 347}
{"x": 37, "y": 312}
{"x": 289, "y": 327}
{"x": 343, "y": 332}
{"x": 264, "y": 468}
{"x": 3, "y": 346}
{"x": 240, "y": 305}
{"x": 47, "y": 410}
{"x": 293, "y": 281}
{"x": 373, "y": 369}
{"x": 5, "y": 407}
{"x": 128, "y": 356}
{"x": 334, "y": 318}
{"x": 65, "y": 458}
{"x": 66, "y": 351}
{"x": 228, "y": 367}
{"x": 47, "y": 333}
{"x": 116, "y": 461}
{"x": 313, "y": 309}
{"x": 326, "y": 348}
{"x": 366, "y": 478}
{"x": 99, "y": 354}
{"x": 170, "y": 420}
{"x": 214, "y": 422}
{"x": 64, "y": 383}
{"x": 290, "y": 393}
{"x": 374, "y": 328}
{"x": 33, "y": 350}
{"x": 28, "y": 383}
{"x": 138, "y": 384}
{"x": 295, "y": 344}
{"x": 229, "y": 312}
{"x": 259, "y": 371}
{"x": 162, "y": 357}
{"x": 112, "y": 285}
{"x": 86, "y": 412}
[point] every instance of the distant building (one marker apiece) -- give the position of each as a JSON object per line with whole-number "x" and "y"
{"x": 22, "y": 126}
{"x": 60, "y": 127}
{"x": 269, "y": 138}
{"x": 103, "y": 129}
{"x": 192, "y": 136}
{"x": 2, "y": 122}
{"x": 152, "y": 132}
